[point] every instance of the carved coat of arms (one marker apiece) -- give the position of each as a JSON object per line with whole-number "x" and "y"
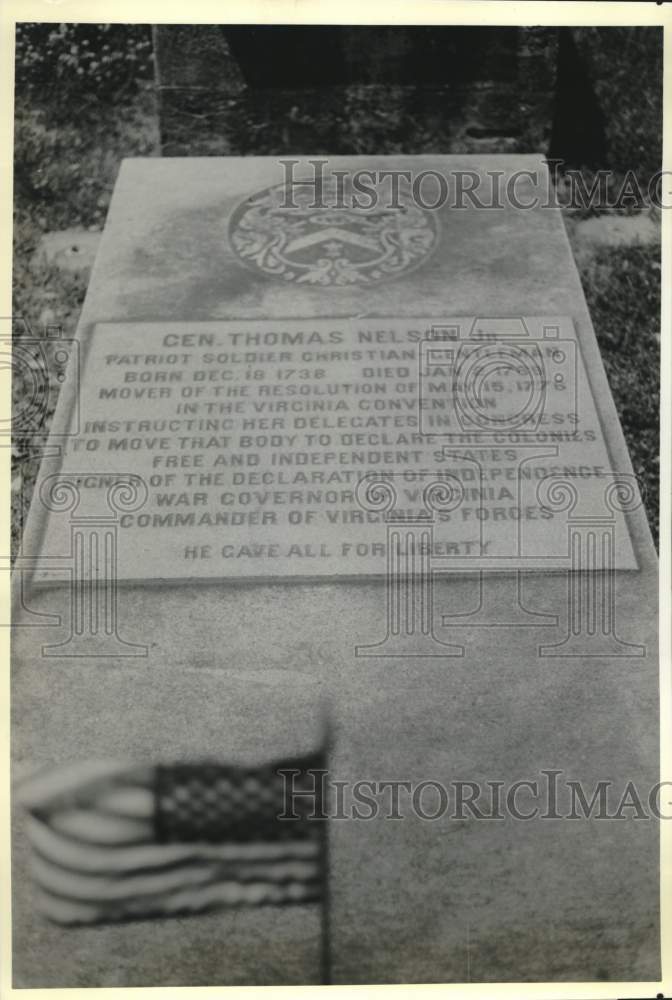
{"x": 327, "y": 243}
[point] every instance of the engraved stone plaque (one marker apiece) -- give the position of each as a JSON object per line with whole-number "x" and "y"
{"x": 257, "y": 444}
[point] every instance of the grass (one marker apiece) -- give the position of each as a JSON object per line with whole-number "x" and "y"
{"x": 64, "y": 173}
{"x": 622, "y": 288}
{"x": 66, "y": 161}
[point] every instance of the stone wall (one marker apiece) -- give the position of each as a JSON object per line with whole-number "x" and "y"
{"x": 277, "y": 90}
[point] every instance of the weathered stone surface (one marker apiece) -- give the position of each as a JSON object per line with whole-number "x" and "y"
{"x": 254, "y": 440}
{"x": 412, "y": 900}
{"x": 71, "y": 249}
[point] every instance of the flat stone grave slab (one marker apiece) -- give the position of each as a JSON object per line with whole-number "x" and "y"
{"x": 479, "y": 647}
{"x": 255, "y": 441}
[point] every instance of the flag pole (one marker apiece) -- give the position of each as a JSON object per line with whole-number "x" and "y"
{"x": 325, "y": 914}
{"x": 325, "y": 907}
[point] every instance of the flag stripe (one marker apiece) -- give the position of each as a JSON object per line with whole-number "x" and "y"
{"x": 132, "y": 803}
{"x": 93, "y": 888}
{"x": 185, "y": 901}
{"x": 48, "y": 787}
{"x": 119, "y": 860}
{"x": 97, "y": 828}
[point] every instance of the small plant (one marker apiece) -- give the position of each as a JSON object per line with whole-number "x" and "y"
{"x": 101, "y": 61}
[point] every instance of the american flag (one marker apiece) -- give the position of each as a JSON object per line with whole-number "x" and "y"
{"x": 114, "y": 842}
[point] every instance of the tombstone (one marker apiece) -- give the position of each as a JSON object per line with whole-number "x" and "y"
{"x": 272, "y": 89}
{"x": 284, "y": 544}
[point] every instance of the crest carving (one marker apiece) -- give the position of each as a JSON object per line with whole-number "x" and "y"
{"x": 328, "y": 244}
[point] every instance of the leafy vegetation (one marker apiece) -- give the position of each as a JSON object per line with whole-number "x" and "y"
{"x": 85, "y": 100}
{"x": 622, "y": 287}
{"x": 92, "y": 62}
